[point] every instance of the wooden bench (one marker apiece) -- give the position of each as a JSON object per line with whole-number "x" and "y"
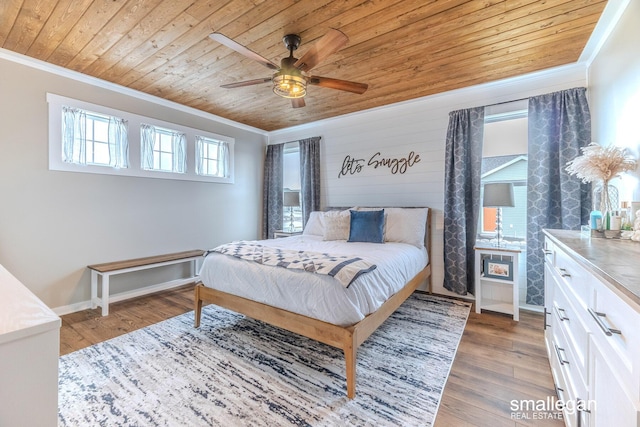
{"x": 106, "y": 270}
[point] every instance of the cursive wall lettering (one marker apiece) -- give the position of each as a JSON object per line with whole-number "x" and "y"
{"x": 352, "y": 166}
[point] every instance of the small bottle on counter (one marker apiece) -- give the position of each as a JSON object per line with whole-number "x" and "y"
{"x": 615, "y": 221}
{"x": 595, "y": 220}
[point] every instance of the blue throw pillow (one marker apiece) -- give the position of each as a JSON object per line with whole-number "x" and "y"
{"x": 367, "y": 226}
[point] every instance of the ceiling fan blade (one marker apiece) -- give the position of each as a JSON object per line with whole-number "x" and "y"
{"x": 297, "y": 102}
{"x": 224, "y": 40}
{"x": 331, "y": 42}
{"x": 348, "y": 86}
{"x": 246, "y": 83}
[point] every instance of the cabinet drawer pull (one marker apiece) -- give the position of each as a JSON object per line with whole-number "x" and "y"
{"x": 546, "y": 313}
{"x": 561, "y": 359}
{"x": 560, "y": 393}
{"x": 547, "y": 252}
{"x": 564, "y": 272}
{"x": 580, "y": 404}
{"x": 598, "y": 317}
{"x": 562, "y": 314}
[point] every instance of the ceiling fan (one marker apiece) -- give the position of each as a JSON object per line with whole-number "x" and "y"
{"x": 290, "y": 78}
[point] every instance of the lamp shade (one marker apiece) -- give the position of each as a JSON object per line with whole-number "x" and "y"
{"x": 498, "y": 194}
{"x": 291, "y": 198}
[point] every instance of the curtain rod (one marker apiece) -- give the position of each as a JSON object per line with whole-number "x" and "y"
{"x": 508, "y": 102}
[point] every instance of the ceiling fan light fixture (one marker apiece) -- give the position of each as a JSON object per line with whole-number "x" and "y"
{"x": 289, "y": 85}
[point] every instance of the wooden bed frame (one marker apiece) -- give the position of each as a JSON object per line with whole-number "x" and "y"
{"x": 346, "y": 338}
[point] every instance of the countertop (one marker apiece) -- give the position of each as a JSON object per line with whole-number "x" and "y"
{"x": 616, "y": 262}
{"x": 22, "y": 313}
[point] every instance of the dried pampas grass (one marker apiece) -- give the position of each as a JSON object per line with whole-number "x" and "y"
{"x": 599, "y": 163}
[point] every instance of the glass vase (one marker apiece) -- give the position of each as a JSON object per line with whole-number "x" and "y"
{"x": 605, "y": 199}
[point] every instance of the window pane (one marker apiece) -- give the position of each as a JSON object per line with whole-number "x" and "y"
{"x": 101, "y": 153}
{"x": 165, "y": 143}
{"x": 166, "y": 161}
{"x": 101, "y": 131}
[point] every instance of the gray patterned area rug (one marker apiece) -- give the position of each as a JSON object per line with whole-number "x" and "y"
{"x": 235, "y": 371}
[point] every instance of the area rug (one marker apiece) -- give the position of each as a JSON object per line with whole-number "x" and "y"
{"x": 235, "y": 371}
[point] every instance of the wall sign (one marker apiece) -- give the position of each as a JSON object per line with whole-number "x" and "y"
{"x": 352, "y": 166}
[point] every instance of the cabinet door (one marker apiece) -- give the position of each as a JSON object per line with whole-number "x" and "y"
{"x": 611, "y": 404}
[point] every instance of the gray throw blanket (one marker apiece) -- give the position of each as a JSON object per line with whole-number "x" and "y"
{"x": 344, "y": 268}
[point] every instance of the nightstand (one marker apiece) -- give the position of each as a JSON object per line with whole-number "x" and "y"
{"x": 497, "y": 287}
{"x": 286, "y": 233}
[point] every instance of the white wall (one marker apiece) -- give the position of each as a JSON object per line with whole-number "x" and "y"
{"x": 53, "y": 224}
{"x": 419, "y": 126}
{"x": 614, "y": 93}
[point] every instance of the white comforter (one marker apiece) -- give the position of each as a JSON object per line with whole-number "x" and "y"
{"x": 314, "y": 295}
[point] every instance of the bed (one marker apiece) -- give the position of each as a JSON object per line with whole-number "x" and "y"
{"x": 319, "y": 306}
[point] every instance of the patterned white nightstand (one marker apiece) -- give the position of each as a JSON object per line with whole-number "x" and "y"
{"x": 286, "y": 233}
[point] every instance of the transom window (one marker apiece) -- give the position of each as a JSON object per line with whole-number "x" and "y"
{"x": 212, "y": 157}
{"x": 94, "y": 139}
{"x": 163, "y": 149}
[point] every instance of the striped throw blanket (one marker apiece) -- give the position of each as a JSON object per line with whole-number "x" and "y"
{"x": 344, "y": 268}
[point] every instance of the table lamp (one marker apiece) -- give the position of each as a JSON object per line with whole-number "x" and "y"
{"x": 498, "y": 195}
{"x": 291, "y": 200}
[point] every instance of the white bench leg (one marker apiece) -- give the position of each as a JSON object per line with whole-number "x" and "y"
{"x": 94, "y": 288}
{"x": 105, "y": 294}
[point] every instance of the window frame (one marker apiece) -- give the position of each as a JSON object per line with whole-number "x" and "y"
{"x": 93, "y": 116}
{"x": 208, "y": 142}
{"x": 135, "y": 166}
{"x": 493, "y": 114}
{"x": 292, "y": 148}
{"x": 160, "y": 134}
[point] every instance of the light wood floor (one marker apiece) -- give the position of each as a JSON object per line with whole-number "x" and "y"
{"x": 498, "y": 359}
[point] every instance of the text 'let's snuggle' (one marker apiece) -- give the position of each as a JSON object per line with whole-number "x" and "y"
{"x": 352, "y": 166}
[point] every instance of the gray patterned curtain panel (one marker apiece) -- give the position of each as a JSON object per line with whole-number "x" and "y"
{"x": 273, "y": 188}
{"x": 559, "y": 125}
{"x": 463, "y": 160}
{"x": 309, "y": 176}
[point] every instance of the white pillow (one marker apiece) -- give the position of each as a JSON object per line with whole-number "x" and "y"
{"x": 406, "y": 225}
{"x": 336, "y": 225}
{"x": 314, "y": 225}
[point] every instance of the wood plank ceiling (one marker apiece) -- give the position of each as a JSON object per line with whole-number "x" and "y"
{"x": 403, "y": 49}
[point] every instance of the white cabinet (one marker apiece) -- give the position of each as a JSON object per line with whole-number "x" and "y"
{"x": 613, "y": 405}
{"x": 29, "y": 350}
{"x": 592, "y": 332}
{"x": 496, "y": 283}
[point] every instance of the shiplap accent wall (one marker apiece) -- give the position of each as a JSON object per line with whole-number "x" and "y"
{"x": 418, "y": 126}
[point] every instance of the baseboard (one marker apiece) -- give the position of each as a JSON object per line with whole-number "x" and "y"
{"x": 532, "y": 308}
{"x": 85, "y": 305}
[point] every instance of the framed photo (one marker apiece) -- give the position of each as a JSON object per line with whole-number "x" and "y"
{"x": 498, "y": 269}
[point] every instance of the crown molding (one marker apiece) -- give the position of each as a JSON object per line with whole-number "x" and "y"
{"x": 611, "y": 14}
{"x": 94, "y": 81}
